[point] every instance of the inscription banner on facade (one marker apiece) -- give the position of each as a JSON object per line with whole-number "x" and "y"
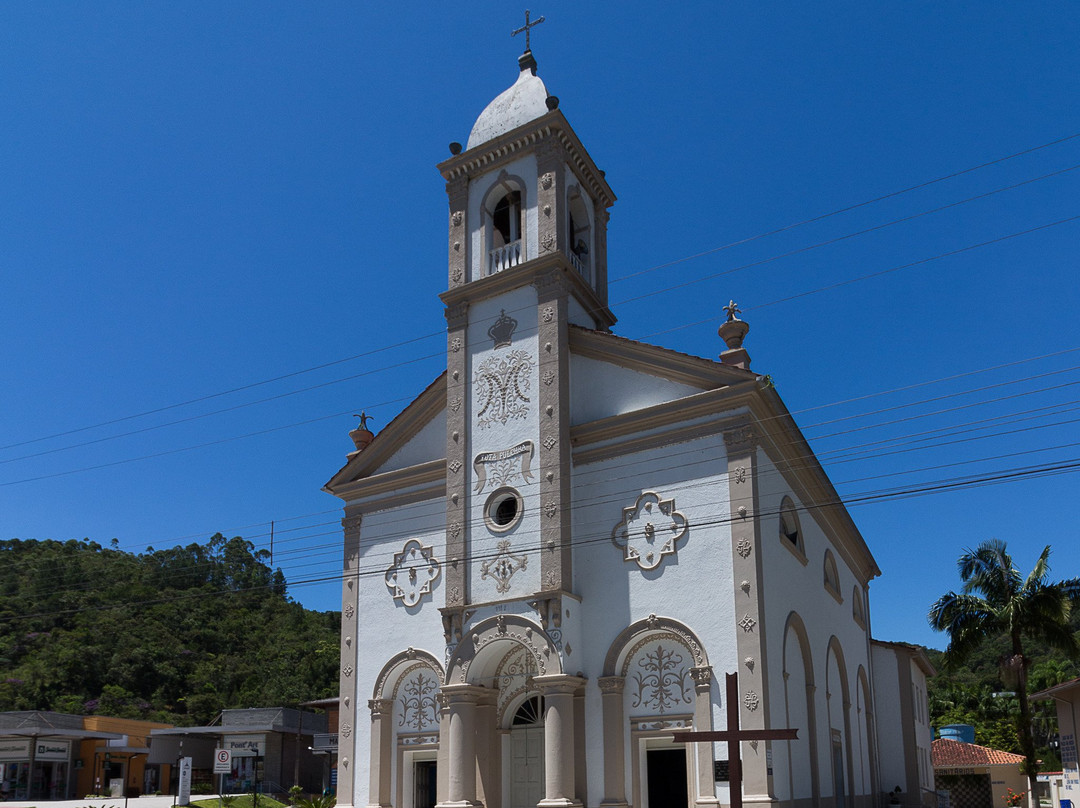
{"x": 15, "y": 750}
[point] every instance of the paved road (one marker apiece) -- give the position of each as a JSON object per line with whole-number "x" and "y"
{"x": 115, "y": 802}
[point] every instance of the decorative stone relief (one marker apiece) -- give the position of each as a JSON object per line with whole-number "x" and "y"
{"x": 455, "y": 344}
{"x": 455, "y": 404}
{"x": 749, "y": 662}
{"x": 551, "y": 580}
{"x": 503, "y": 566}
{"x": 413, "y": 572}
{"x": 740, "y": 475}
{"x": 351, "y": 526}
{"x": 547, "y": 180}
{"x": 751, "y": 700}
{"x": 347, "y": 670}
{"x": 349, "y": 611}
{"x": 458, "y": 275}
{"x": 457, "y": 217}
{"x": 504, "y": 466}
{"x": 747, "y": 623}
{"x": 549, "y": 313}
{"x": 454, "y": 530}
{"x": 512, "y": 677}
{"x": 547, "y": 243}
{"x": 649, "y": 530}
{"x": 454, "y": 595}
{"x": 503, "y": 330}
{"x": 548, "y": 377}
{"x": 743, "y": 547}
{"x": 416, "y": 700}
{"x": 455, "y": 466}
{"x": 345, "y": 729}
{"x": 660, "y": 680}
{"x": 745, "y": 587}
{"x": 502, "y": 388}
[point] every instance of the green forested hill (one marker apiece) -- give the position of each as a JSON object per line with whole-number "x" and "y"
{"x": 172, "y": 635}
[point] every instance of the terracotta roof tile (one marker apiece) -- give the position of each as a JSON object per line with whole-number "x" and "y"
{"x": 945, "y": 752}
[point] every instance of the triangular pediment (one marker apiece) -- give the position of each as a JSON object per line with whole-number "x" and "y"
{"x": 610, "y": 375}
{"x": 415, "y": 437}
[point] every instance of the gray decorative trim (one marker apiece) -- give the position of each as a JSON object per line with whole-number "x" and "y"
{"x": 413, "y": 573}
{"x": 654, "y": 625}
{"x": 495, "y": 629}
{"x": 649, "y": 530}
{"x": 409, "y": 655}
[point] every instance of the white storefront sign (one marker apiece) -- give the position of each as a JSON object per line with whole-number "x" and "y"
{"x": 245, "y": 745}
{"x": 14, "y": 750}
{"x": 52, "y": 750}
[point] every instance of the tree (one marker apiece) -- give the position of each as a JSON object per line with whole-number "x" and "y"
{"x": 996, "y": 600}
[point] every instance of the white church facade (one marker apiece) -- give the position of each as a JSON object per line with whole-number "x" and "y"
{"x": 555, "y": 552}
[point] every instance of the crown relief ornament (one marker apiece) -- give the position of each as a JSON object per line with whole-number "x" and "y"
{"x": 503, "y": 329}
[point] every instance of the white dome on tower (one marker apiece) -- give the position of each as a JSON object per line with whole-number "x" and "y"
{"x": 524, "y": 101}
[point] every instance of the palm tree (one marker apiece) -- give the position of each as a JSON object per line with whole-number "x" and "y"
{"x": 997, "y": 601}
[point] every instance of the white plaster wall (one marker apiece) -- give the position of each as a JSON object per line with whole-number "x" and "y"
{"x": 428, "y": 444}
{"x": 524, "y": 168}
{"x": 579, "y": 316}
{"x": 790, "y": 586}
{"x": 924, "y": 733}
{"x": 890, "y": 735}
{"x": 1068, "y": 711}
{"x": 694, "y": 586}
{"x": 792, "y": 759}
{"x": 600, "y": 389}
{"x": 386, "y": 626}
{"x": 481, "y": 544}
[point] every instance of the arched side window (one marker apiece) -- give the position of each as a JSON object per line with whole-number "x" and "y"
{"x": 579, "y": 233}
{"x": 505, "y": 226}
{"x": 832, "y": 577}
{"x": 857, "y": 609}
{"x": 791, "y": 535}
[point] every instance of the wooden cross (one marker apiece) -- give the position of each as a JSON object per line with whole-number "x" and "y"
{"x": 526, "y": 28}
{"x": 733, "y": 736}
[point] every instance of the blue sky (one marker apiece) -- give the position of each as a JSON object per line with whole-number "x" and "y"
{"x": 201, "y": 197}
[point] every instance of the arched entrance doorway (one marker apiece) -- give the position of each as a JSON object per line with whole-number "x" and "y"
{"x": 527, "y": 754}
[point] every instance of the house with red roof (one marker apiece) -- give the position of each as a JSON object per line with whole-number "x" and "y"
{"x": 967, "y": 775}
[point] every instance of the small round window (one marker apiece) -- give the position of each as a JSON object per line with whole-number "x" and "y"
{"x": 503, "y": 509}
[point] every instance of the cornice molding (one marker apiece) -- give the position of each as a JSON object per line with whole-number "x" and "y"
{"x": 506, "y": 147}
{"x": 414, "y": 483}
{"x": 694, "y": 371}
{"x": 393, "y": 437}
{"x": 533, "y": 271}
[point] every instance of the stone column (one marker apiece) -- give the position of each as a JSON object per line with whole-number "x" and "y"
{"x": 349, "y": 717}
{"x": 559, "y": 753}
{"x": 442, "y": 760}
{"x": 461, "y": 734}
{"x": 382, "y": 752}
{"x": 611, "y": 695}
{"x": 488, "y": 753}
{"x": 706, "y": 790}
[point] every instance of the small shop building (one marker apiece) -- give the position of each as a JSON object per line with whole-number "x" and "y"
{"x": 55, "y": 756}
{"x": 967, "y": 775}
{"x": 1066, "y": 696}
{"x": 270, "y": 749}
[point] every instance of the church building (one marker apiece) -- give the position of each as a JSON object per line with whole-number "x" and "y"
{"x": 557, "y": 551}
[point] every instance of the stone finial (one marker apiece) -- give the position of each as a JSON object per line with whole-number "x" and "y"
{"x": 362, "y": 436}
{"x": 733, "y": 331}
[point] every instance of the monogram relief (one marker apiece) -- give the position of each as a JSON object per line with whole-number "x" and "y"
{"x": 502, "y": 388}
{"x": 503, "y": 566}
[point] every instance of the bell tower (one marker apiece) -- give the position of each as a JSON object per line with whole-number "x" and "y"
{"x": 528, "y": 215}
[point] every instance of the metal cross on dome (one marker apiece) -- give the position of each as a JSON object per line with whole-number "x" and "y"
{"x": 526, "y": 28}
